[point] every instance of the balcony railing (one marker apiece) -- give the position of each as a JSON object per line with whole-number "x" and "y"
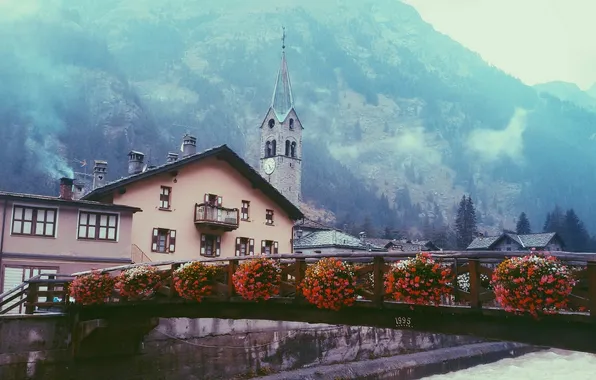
{"x": 216, "y": 217}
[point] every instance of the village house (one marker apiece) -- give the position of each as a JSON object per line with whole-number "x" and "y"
{"x": 513, "y": 242}
{"x": 44, "y": 234}
{"x": 333, "y": 241}
{"x": 306, "y": 226}
{"x": 404, "y": 245}
{"x": 209, "y": 204}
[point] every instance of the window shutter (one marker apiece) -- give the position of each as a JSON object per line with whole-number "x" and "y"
{"x": 263, "y": 244}
{"x": 251, "y": 247}
{"x": 154, "y": 240}
{"x": 206, "y": 198}
{"x": 219, "y": 201}
{"x": 172, "y": 241}
{"x": 237, "y": 246}
{"x": 218, "y": 246}
{"x": 202, "y": 245}
{"x": 275, "y": 249}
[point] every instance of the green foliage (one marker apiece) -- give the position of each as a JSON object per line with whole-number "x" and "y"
{"x": 523, "y": 225}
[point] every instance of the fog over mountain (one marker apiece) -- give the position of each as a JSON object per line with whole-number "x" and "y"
{"x": 394, "y": 112}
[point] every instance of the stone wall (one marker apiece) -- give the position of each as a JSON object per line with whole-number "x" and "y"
{"x": 35, "y": 347}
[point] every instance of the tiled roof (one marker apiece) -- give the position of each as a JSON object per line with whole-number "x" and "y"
{"x": 483, "y": 242}
{"x": 536, "y": 240}
{"x": 332, "y": 238}
{"x": 221, "y": 152}
{"x": 307, "y": 223}
{"x": 66, "y": 202}
{"x": 525, "y": 241}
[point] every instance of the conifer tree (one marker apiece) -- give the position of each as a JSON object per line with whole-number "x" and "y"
{"x": 465, "y": 223}
{"x": 523, "y": 225}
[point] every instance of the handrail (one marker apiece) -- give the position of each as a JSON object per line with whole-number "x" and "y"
{"x": 215, "y": 206}
{"x": 565, "y": 256}
{"x": 18, "y": 287}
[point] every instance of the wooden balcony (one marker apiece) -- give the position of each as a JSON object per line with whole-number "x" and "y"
{"x": 216, "y": 217}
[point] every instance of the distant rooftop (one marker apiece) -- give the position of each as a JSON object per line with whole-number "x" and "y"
{"x": 67, "y": 202}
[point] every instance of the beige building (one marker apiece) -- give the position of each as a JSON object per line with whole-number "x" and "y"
{"x": 209, "y": 204}
{"x": 42, "y": 234}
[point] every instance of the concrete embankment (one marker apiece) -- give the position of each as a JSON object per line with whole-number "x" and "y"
{"x": 411, "y": 366}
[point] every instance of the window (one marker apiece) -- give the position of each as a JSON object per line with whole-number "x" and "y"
{"x": 34, "y": 221}
{"x": 245, "y": 246}
{"x": 269, "y": 217}
{"x": 163, "y": 240}
{"x": 96, "y": 226}
{"x": 288, "y": 148}
{"x": 271, "y": 123}
{"x": 268, "y": 247}
{"x": 165, "y": 198}
{"x": 291, "y": 123}
{"x": 210, "y": 245}
{"x": 213, "y": 200}
{"x": 244, "y": 210}
{"x": 293, "y": 149}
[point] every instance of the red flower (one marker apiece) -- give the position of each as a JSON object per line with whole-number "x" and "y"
{"x": 329, "y": 284}
{"x": 93, "y": 288}
{"x": 419, "y": 281}
{"x": 533, "y": 284}
{"x": 194, "y": 280}
{"x": 257, "y": 279}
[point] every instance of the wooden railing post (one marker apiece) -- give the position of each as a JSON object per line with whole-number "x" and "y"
{"x": 32, "y": 297}
{"x": 300, "y": 269}
{"x": 592, "y": 287}
{"x": 378, "y": 281}
{"x": 172, "y": 287}
{"x": 50, "y": 293}
{"x": 474, "y": 266}
{"x": 232, "y": 265}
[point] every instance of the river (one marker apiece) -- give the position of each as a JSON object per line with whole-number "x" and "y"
{"x": 545, "y": 365}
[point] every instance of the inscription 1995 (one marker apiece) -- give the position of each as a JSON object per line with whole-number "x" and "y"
{"x": 403, "y": 322}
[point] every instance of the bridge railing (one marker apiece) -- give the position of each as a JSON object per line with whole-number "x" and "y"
{"x": 471, "y": 276}
{"x": 39, "y": 294}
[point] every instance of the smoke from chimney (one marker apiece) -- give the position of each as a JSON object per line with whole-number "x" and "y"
{"x": 66, "y": 188}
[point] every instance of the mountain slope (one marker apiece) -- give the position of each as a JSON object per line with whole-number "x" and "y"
{"x": 569, "y": 92}
{"x": 389, "y": 105}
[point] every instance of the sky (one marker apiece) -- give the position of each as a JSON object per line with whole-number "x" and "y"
{"x": 535, "y": 40}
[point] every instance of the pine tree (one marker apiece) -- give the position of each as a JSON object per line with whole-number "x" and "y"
{"x": 465, "y": 223}
{"x": 523, "y": 225}
{"x": 555, "y": 221}
{"x": 574, "y": 233}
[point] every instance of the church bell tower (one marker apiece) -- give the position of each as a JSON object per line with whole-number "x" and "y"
{"x": 281, "y": 138}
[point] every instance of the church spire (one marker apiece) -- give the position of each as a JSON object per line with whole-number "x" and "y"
{"x": 282, "y": 101}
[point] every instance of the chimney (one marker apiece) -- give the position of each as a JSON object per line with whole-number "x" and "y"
{"x": 79, "y": 190}
{"x": 189, "y": 145}
{"x": 100, "y": 171}
{"x": 66, "y": 188}
{"x": 135, "y": 162}
{"x": 172, "y": 157}
{"x": 362, "y": 236}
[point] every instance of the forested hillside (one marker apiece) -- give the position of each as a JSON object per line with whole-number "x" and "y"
{"x": 399, "y": 119}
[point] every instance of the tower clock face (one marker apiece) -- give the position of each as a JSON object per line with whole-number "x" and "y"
{"x": 269, "y": 166}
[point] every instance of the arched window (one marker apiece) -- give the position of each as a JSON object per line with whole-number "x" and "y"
{"x": 291, "y": 123}
{"x": 273, "y": 148}
{"x": 268, "y": 149}
{"x": 288, "y": 148}
{"x": 293, "y": 149}
{"x": 271, "y": 123}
